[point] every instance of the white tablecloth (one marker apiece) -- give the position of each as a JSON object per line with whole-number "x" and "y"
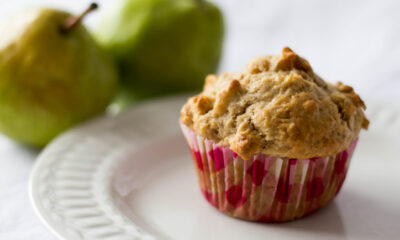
{"x": 356, "y": 42}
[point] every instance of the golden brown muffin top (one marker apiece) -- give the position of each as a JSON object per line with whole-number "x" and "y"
{"x": 279, "y": 107}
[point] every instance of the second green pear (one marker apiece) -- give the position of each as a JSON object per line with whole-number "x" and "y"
{"x": 164, "y": 46}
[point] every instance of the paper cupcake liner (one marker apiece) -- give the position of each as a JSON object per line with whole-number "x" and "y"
{"x": 263, "y": 188}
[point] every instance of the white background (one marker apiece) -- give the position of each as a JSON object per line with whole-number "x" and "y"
{"x": 357, "y": 42}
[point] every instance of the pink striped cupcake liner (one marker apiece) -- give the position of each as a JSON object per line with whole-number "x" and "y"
{"x": 263, "y": 188}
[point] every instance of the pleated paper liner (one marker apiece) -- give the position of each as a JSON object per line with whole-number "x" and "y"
{"x": 265, "y": 189}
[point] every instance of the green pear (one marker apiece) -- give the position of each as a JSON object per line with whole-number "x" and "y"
{"x": 53, "y": 75}
{"x": 163, "y": 46}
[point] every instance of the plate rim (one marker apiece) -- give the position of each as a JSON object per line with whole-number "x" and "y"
{"x": 44, "y": 157}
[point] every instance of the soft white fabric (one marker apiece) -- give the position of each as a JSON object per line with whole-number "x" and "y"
{"x": 356, "y": 42}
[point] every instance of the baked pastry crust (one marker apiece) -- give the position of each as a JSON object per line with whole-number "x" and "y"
{"x": 278, "y": 107}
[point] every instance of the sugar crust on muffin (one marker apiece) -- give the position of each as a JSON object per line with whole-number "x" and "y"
{"x": 278, "y": 107}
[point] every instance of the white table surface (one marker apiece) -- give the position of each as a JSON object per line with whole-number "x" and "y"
{"x": 356, "y": 42}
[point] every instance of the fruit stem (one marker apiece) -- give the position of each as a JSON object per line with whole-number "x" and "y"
{"x": 71, "y": 22}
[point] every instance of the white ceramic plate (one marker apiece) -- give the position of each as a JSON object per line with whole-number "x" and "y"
{"x": 131, "y": 177}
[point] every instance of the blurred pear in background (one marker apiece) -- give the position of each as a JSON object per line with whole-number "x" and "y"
{"x": 53, "y": 75}
{"x": 163, "y": 46}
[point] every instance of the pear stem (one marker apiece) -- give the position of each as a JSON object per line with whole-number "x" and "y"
{"x": 71, "y": 22}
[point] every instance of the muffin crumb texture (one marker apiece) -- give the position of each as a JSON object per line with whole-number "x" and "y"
{"x": 279, "y": 107}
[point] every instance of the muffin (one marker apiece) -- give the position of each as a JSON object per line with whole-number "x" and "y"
{"x": 272, "y": 143}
